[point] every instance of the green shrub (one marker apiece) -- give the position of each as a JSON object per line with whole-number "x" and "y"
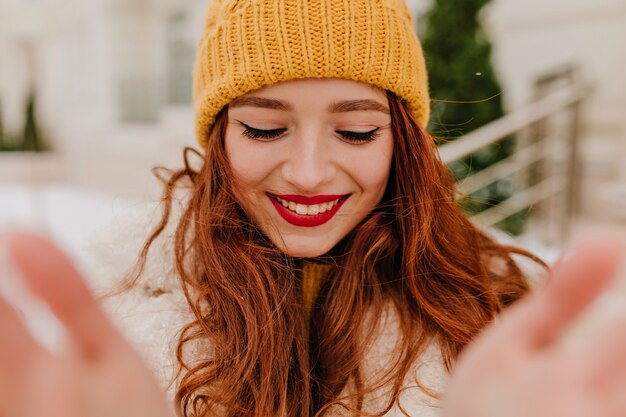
{"x": 466, "y": 94}
{"x": 30, "y": 138}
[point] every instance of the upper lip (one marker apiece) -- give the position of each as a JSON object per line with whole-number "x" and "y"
{"x": 316, "y": 199}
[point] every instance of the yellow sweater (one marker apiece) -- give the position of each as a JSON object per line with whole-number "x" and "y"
{"x": 312, "y": 278}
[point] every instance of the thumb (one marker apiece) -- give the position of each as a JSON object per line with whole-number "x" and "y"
{"x": 575, "y": 282}
{"x": 52, "y": 276}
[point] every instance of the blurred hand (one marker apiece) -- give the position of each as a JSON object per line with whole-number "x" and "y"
{"x": 99, "y": 375}
{"x": 520, "y": 367}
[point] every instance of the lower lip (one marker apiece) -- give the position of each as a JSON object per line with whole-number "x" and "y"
{"x": 304, "y": 220}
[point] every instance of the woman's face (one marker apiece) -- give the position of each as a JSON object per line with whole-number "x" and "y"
{"x": 311, "y": 159}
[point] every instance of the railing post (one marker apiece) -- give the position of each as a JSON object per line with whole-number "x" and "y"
{"x": 573, "y": 170}
{"x": 556, "y": 213}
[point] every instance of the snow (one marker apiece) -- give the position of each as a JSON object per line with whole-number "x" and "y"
{"x": 69, "y": 214}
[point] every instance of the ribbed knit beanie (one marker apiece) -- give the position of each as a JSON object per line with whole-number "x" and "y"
{"x": 248, "y": 44}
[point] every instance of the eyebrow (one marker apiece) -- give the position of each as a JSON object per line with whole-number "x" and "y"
{"x": 336, "y": 107}
{"x": 357, "y": 105}
{"x": 267, "y": 103}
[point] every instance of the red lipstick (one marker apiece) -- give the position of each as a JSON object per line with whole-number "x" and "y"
{"x": 304, "y": 220}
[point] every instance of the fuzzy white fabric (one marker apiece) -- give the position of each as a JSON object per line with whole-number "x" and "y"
{"x": 152, "y": 313}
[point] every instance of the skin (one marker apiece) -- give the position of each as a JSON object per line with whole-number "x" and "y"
{"x": 521, "y": 366}
{"x": 312, "y": 156}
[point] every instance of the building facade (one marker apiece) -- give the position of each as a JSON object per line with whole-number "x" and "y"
{"x": 112, "y": 83}
{"x": 113, "y": 77}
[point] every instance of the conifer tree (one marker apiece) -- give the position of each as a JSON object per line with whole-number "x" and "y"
{"x": 466, "y": 92}
{"x": 31, "y": 138}
{"x": 2, "y": 145}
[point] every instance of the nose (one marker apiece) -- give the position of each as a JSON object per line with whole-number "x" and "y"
{"x": 309, "y": 165}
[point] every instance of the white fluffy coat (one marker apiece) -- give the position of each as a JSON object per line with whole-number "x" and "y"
{"x": 152, "y": 313}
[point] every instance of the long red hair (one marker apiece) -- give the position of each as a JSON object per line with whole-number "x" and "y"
{"x": 254, "y": 352}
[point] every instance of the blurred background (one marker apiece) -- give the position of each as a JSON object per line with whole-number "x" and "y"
{"x": 529, "y": 106}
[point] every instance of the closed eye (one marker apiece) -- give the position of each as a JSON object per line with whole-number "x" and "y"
{"x": 359, "y": 137}
{"x": 253, "y": 133}
{"x": 350, "y": 136}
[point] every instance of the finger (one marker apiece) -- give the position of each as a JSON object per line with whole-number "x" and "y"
{"x": 17, "y": 353}
{"x": 575, "y": 282}
{"x": 51, "y": 276}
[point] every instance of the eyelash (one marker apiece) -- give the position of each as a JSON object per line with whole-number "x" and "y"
{"x": 360, "y": 137}
{"x": 354, "y": 137}
{"x": 262, "y": 134}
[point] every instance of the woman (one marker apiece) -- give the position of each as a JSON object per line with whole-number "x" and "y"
{"x": 324, "y": 262}
{"x": 319, "y": 177}
{"x": 332, "y": 220}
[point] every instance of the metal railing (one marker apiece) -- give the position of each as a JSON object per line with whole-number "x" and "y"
{"x": 544, "y": 164}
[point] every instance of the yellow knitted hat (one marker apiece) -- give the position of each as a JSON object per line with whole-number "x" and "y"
{"x": 251, "y": 43}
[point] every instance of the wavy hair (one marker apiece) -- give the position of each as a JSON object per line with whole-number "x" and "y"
{"x": 253, "y": 352}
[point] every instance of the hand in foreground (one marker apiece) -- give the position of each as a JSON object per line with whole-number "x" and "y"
{"x": 98, "y": 376}
{"x": 519, "y": 367}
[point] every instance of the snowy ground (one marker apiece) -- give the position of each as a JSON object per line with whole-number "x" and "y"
{"x": 68, "y": 214}
{"x": 71, "y": 216}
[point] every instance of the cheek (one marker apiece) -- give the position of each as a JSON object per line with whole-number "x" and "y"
{"x": 248, "y": 165}
{"x": 371, "y": 169}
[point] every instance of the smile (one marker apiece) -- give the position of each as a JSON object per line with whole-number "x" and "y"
{"x": 307, "y": 211}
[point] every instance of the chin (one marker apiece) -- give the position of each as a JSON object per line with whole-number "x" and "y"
{"x": 305, "y": 251}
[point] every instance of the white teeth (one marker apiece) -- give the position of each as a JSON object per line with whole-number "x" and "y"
{"x": 308, "y": 210}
